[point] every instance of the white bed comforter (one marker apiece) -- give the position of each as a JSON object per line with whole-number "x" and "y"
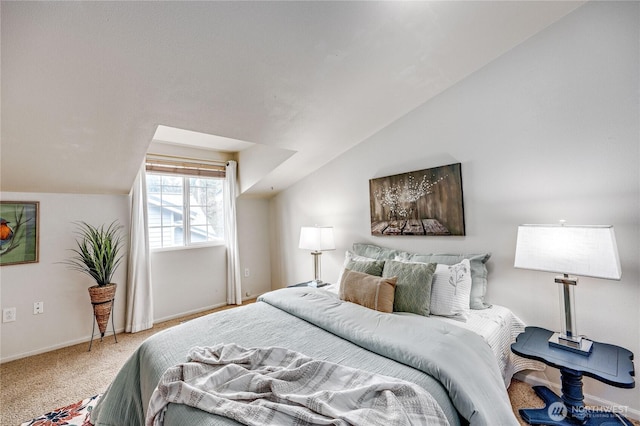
{"x": 499, "y": 327}
{"x": 275, "y": 386}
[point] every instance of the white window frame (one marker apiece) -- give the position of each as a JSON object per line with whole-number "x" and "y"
{"x": 173, "y": 168}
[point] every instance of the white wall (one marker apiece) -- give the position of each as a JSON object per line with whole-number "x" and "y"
{"x": 548, "y": 131}
{"x": 253, "y": 242}
{"x": 188, "y": 280}
{"x": 258, "y": 161}
{"x": 68, "y": 316}
{"x": 179, "y": 274}
{"x": 185, "y": 281}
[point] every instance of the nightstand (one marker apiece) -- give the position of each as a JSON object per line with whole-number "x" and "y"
{"x": 606, "y": 363}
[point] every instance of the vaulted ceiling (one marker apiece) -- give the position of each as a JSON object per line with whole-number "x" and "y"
{"x": 85, "y": 84}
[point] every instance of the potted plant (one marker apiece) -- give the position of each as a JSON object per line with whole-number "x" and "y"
{"x": 98, "y": 255}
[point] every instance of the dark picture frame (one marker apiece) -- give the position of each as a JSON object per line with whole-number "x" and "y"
{"x": 423, "y": 202}
{"x": 19, "y": 232}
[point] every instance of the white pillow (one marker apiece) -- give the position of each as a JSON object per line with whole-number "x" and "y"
{"x": 451, "y": 290}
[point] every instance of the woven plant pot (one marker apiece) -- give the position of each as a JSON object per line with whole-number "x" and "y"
{"x": 102, "y": 301}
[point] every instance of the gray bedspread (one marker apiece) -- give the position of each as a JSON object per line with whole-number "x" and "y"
{"x": 463, "y": 377}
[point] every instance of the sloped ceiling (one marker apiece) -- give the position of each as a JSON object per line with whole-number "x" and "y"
{"x": 85, "y": 84}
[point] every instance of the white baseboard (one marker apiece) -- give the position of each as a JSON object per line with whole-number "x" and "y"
{"x": 197, "y": 311}
{"x": 187, "y": 313}
{"x": 588, "y": 399}
{"x": 85, "y": 339}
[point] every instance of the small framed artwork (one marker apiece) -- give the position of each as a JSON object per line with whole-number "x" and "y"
{"x": 19, "y": 229}
{"x": 424, "y": 202}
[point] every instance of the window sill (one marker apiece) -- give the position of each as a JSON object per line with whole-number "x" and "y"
{"x": 191, "y": 247}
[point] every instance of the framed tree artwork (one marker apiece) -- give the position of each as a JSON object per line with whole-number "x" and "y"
{"x": 424, "y": 202}
{"x": 19, "y": 229}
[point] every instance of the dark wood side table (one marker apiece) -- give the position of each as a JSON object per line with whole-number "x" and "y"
{"x": 606, "y": 363}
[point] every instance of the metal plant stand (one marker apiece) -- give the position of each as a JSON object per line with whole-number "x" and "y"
{"x": 93, "y": 329}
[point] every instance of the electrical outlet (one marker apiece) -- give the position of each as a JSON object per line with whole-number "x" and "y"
{"x": 38, "y": 308}
{"x": 247, "y": 272}
{"x": 8, "y": 314}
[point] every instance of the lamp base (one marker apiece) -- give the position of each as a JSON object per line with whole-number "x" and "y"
{"x": 578, "y": 345}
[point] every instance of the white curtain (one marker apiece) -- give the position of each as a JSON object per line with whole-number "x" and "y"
{"x": 234, "y": 285}
{"x": 139, "y": 291}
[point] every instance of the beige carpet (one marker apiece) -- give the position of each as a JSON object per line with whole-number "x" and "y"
{"x": 32, "y": 386}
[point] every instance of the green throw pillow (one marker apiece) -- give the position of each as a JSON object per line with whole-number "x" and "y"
{"x": 374, "y": 252}
{"x": 371, "y": 267}
{"x": 413, "y": 288}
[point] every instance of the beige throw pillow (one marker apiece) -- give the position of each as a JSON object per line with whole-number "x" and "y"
{"x": 368, "y": 290}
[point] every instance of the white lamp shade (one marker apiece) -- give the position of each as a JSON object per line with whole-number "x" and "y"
{"x": 317, "y": 238}
{"x": 588, "y": 251}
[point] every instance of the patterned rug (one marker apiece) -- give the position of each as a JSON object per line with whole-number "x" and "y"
{"x": 72, "y": 415}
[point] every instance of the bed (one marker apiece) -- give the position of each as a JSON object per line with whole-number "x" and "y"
{"x": 465, "y": 365}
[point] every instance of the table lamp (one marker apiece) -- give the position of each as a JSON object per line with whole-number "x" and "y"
{"x": 317, "y": 239}
{"x": 588, "y": 251}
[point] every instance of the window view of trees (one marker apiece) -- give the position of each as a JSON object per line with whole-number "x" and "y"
{"x": 184, "y": 211}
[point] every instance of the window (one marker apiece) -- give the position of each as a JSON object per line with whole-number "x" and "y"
{"x": 183, "y": 209}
